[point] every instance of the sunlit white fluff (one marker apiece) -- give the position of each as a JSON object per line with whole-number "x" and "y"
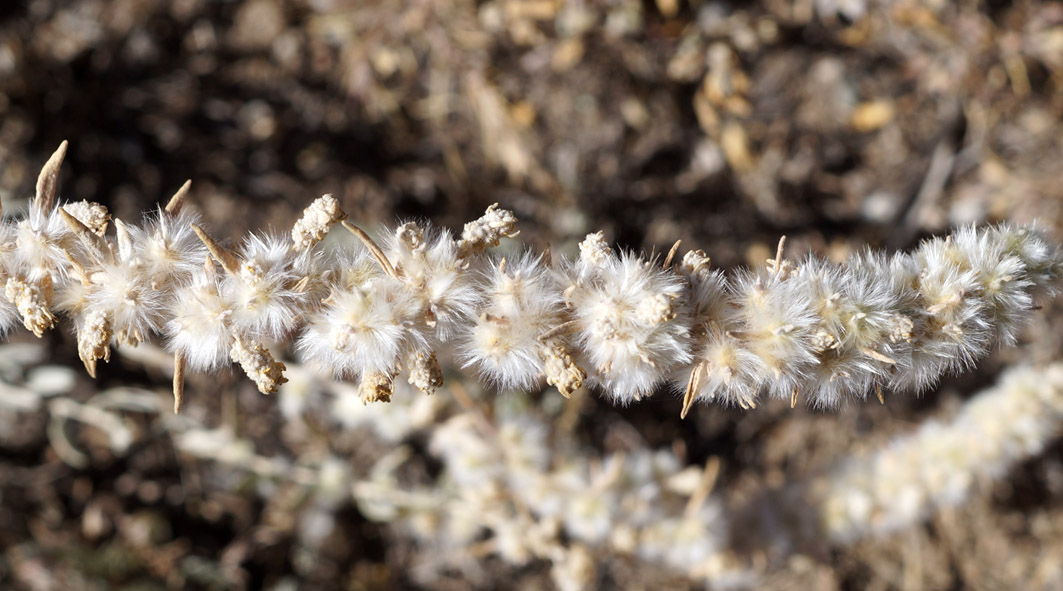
{"x": 199, "y": 326}
{"x": 852, "y": 341}
{"x": 724, "y": 369}
{"x": 778, "y": 325}
{"x": 1042, "y": 259}
{"x": 42, "y": 239}
{"x": 123, "y": 290}
{"x": 262, "y": 295}
{"x": 522, "y": 302}
{"x": 709, "y": 297}
{"x": 631, "y": 323}
{"x": 1005, "y": 286}
{"x": 167, "y": 248}
{"x": 730, "y": 372}
{"x": 428, "y": 263}
{"x": 367, "y": 324}
{"x": 954, "y": 328}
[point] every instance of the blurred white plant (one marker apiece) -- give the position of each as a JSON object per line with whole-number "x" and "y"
{"x": 942, "y": 462}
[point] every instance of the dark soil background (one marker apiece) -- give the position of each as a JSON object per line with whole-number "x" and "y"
{"x": 839, "y": 123}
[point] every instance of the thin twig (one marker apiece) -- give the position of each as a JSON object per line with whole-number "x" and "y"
{"x": 374, "y": 249}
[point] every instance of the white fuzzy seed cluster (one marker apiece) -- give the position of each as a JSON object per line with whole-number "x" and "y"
{"x": 522, "y": 305}
{"x": 619, "y": 322}
{"x": 828, "y": 332}
{"x": 941, "y": 463}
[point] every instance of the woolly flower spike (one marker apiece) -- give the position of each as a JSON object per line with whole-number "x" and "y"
{"x": 429, "y": 264}
{"x": 824, "y": 332}
{"x": 941, "y": 463}
{"x": 630, "y": 320}
{"x": 366, "y": 325}
{"x": 522, "y": 304}
{"x": 487, "y": 231}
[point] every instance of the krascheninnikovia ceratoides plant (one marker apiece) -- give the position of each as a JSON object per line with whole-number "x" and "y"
{"x": 614, "y": 321}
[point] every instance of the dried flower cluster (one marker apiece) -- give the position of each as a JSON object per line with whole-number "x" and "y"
{"x": 615, "y": 321}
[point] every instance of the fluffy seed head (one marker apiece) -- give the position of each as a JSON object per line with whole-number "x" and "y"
{"x": 852, "y": 341}
{"x": 429, "y": 264}
{"x": 42, "y": 243}
{"x": 367, "y": 324}
{"x": 951, "y": 324}
{"x": 199, "y": 328}
{"x": 122, "y": 289}
{"x": 632, "y": 321}
{"x": 778, "y": 326}
{"x": 522, "y": 302}
{"x": 168, "y": 249}
{"x": 262, "y": 294}
{"x": 729, "y": 372}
